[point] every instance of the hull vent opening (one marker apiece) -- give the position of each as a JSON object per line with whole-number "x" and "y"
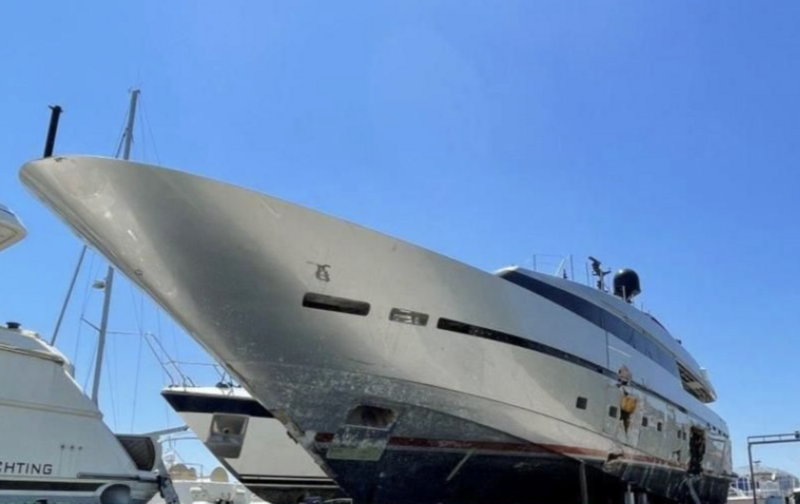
{"x": 335, "y": 304}
{"x": 226, "y": 436}
{"x": 371, "y": 417}
{"x": 408, "y": 317}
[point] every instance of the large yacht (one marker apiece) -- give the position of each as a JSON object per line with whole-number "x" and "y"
{"x": 54, "y": 446}
{"x": 410, "y": 377}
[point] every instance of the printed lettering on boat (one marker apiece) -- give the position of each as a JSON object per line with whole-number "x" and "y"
{"x": 25, "y": 468}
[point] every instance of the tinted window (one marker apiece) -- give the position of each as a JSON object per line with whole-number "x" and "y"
{"x": 336, "y": 304}
{"x": 598, "y": 316}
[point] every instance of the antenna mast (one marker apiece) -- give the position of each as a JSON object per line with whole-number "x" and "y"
{"x": 600, "y": 273}
{"x": 109, "y": 281}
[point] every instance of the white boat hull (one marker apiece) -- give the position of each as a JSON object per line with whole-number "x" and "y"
{"x": 264, "y": 458}
{"x": 54, "y": 445}
{"x": 235, "y": 267}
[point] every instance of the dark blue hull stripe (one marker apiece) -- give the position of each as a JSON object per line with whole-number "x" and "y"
{"x": 197, "y": 403}
{"x": 48, "y": 486}
{"x": 510, "y": 339}
{"x": 297, "y": 483}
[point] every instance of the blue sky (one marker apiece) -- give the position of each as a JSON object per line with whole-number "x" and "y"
{"x": 656, "y": 135}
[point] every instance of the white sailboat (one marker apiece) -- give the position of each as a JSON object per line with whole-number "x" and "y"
{"x": 411, "y": 378}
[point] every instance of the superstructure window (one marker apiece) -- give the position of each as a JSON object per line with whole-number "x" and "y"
{"x": 582, "y": 403}
{"x": 694, "y": 386}
{"x": 510, "y": 339}
{"x": 335, "y": 304}
{"x": 598, "y": 316}
{"x": 408, "y": 317}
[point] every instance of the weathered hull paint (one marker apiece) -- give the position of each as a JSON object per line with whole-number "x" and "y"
{"x": 233, "y": 266}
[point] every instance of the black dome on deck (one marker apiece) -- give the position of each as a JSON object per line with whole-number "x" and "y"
{"x": 626, "y": 284}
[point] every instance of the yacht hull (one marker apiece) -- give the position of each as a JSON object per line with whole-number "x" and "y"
{"x": 375, "y": 353}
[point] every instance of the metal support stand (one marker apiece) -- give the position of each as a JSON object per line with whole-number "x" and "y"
{"x": 791, "y": 437}
{"x": 584, "y": 484}
{"x": 629, "y": 497}
{"x": 752, "y": 473}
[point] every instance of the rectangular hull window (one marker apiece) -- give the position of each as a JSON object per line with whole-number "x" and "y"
{"x": 408, "y": 317}
{"x": 335, "y": 304}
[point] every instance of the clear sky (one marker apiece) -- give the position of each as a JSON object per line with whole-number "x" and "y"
{"x": 661, "y": 136}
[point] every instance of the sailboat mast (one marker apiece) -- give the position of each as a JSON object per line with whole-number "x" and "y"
{"x": 109, "y": 282}
{"x": 126, "y": 155}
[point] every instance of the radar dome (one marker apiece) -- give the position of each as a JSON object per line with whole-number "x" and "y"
{"x": 626, "y": 284}
{"x": 219, "y": 475}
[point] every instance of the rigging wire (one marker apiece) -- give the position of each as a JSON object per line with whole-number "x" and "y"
{"x": 175, "y": 341}
{"x": 136, "y": 382}
{"x": 143, "y": 143}
{"x": 80, "y": 322}
{"x": 110, "y": 378}
{"x": 146, "y": 119}
{"x": 70, "y": 290}
{"x": 121, "y": 141}
{"x": 139, "y": 314}
{"x": 93, "y": 267}
{"x": 89, "y": 369}
{"x": 158, "y": 328}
